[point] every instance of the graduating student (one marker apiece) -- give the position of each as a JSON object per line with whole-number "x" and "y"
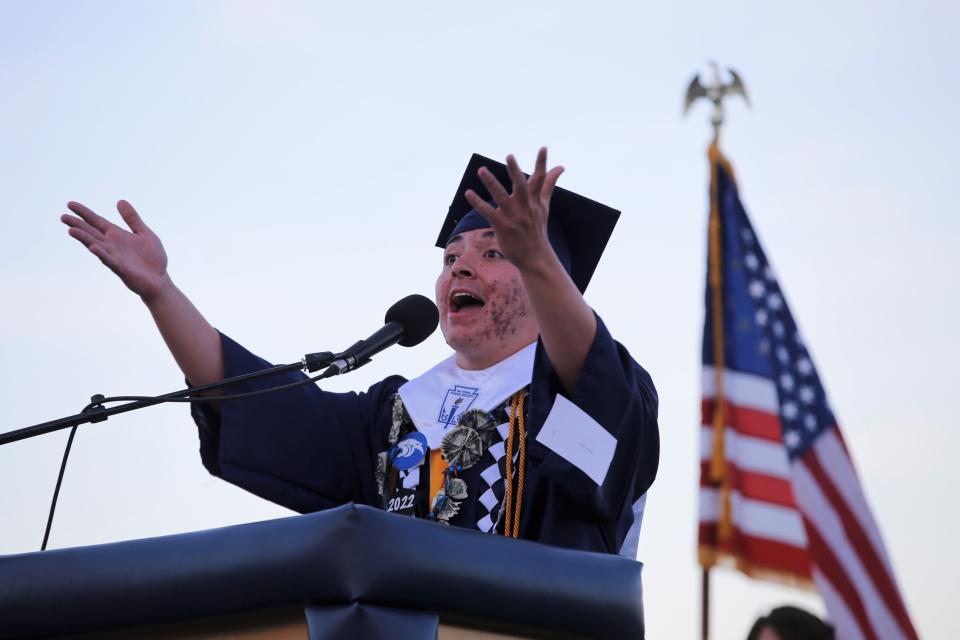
{"x": 539, "y": 426}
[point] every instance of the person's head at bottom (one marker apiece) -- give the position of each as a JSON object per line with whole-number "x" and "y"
{"x": 790, "y": 623}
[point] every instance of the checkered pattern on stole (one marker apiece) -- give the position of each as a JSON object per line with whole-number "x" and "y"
{"x": 493, "y": 465}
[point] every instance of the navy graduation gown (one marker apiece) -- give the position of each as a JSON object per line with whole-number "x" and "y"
{"x": 308, "y": 449}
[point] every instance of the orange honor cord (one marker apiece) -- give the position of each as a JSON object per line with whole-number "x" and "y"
{"x": 512, "y": 517}
{"x": 521, "y": 465}
{"x": 508, "y": 481}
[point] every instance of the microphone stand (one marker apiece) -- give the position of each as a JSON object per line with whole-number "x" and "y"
{"x": 96, "y": 412}
{"x": 414, "y": 312}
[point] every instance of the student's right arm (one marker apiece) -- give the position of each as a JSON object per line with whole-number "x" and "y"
{"x": 138, "y": 259}
{"x": 303, "y": 448}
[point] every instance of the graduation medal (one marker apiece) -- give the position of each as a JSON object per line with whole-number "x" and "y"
{"x": 461, "y": 448}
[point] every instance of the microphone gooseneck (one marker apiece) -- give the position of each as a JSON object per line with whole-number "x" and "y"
{"x": 407, "y": 323}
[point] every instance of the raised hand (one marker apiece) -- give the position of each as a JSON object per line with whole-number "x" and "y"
{"x": 520, "y": 218}
{"x": 136, "y": 256}
{"x": 567, "y": 324}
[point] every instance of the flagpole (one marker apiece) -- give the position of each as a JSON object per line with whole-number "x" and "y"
{"x": 718, "y": 469}
{"x": 718, "y": 476}
{"x": 705, "y": 605}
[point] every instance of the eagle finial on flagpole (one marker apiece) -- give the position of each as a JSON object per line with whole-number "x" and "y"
{"x": 715, "y": 92}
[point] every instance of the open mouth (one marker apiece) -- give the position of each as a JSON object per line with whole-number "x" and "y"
{"x": 460, "y": 300}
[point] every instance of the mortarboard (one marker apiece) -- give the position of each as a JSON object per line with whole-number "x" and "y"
{"x": 578, "y": 227}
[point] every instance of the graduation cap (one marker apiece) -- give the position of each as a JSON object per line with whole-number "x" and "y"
{"x": 578, "y": 227}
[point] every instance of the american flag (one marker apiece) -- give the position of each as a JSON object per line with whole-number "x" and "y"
{"x": 779, "y": 495}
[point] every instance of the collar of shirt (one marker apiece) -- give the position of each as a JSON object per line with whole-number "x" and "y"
{"x": 436, "y": 399}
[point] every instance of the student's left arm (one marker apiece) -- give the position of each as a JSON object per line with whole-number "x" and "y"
{"x": 567, "y": 325}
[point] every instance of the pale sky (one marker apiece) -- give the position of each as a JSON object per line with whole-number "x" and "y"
{"x": 297, "y": 160}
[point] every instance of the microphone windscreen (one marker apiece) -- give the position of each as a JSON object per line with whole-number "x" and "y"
{"x": 418, "y": 316}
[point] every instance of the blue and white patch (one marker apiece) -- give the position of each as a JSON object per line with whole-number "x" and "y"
{"x": 456, "y": 403}
{"x": 410, "y": 451}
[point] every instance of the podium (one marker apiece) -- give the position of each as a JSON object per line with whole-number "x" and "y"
{"x": 348, "y": 572}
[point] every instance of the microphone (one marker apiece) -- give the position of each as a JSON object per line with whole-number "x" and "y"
{"x": 407, "y": 323}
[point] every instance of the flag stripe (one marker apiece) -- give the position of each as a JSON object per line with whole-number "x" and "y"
{"x": 863, "y": 547}
{"x": 760, "y": 552}
{"x": 755, "y": 518}
{"x": 748, "y": 453}
{"x": 831, "y": 569}
{"x": 838, "y": 466}
{"x": 746, "y": 420}
{"x": 840, "y": 617}
{"x": 820, "y": 515}
{"x": 742, "y": 389}
{"x": 756, "y": 486}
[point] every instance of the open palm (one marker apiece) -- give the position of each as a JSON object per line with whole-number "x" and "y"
{"x": 136, "y": 256}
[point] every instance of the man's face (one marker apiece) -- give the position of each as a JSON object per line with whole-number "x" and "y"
{"x": 485, "y": 314}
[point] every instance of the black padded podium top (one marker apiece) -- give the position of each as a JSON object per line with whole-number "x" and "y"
{"x": 350, "y": 554}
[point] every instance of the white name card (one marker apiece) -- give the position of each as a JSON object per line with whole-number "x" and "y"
{"x": 579, "y": 439}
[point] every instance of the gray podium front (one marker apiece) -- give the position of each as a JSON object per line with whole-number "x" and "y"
{"x": 349, "y": 572}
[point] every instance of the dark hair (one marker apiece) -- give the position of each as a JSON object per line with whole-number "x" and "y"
{"x": 792, "y": 623}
